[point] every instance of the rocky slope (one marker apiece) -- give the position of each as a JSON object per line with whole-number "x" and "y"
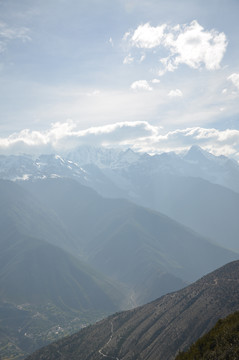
{"x": 158, "y": 330}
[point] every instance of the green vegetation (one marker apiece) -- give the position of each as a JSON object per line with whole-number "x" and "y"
{"x": 221, "y": 343}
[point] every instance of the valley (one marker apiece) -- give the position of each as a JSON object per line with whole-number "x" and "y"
{"x": 159, "y": 329}
{"x": 70, "y": 256}
{"x": 119, "y": 180}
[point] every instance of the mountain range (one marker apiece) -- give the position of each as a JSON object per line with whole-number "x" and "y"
{"x": 70, "y": 257}
{"x": 206, "y": 184}
{"x": 95, "y": 231}
{"x": 113, "y": 163}
{"x": 131, "y": 244}
{"x": 158, "y": 330}
{"x": 44, "y": 291}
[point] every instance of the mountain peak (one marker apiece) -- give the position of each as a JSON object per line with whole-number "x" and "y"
{"x": 195, "y": 149}
{"x": 196, "y": 153}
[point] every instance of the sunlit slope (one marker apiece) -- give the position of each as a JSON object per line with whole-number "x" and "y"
{"x": 159, "y": 329}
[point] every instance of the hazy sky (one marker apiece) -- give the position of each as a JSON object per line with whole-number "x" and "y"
{"x": 155, "y": 75}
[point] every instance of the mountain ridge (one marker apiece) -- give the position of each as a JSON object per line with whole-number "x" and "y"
{"x": 195, "y": 162}
{"x": 45, "y": 292}
{"x": 206, "y": 184}
{"x": 159, "y": 329}
{"x": 123, "y": 239}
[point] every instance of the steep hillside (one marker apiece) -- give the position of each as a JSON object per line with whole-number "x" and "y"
{"x": 132, "y": 244}
{"x": 221, "y": 342}
{"x": 33, "y": 271}
{"x": 157, "y": 330}
{"x": 45, "y": 293}
{"x": 22, "y": 211}
{"x": 209, "y": 209}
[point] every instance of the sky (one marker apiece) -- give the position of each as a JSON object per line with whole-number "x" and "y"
{"x": 153, "y": 75}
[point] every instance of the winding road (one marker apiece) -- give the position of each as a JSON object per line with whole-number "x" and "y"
{"x": 101, "y": 350}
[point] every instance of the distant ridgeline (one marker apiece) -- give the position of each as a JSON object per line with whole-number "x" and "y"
{"x": 205, "y": 184}
{"x": 222, "y": 342}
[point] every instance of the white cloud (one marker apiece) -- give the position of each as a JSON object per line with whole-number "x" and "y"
{"x": 218, "y": 142}
{"x": 188, "y": 44}
{"x": 142, "y": 58}
{"x": 141, "y": 85}
{"x": 147, "y": 37}
{"x": 195, "y": 47}
{"x": 155, "y": 81}
{"x": 9, "y": 33}
{"x": 234, "y": 79}
{"x": 128, "y": 59}
{"x": 139, "y": 135}
{"x": 168, "y": 65}
{"x": 175, "y": 93}
{"x": 64, "y": 136}
{"x": 111, "y": 41}
{"x": 126, "y": 36}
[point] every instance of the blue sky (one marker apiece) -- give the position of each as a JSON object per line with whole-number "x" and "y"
{"x": 153, "y": 75}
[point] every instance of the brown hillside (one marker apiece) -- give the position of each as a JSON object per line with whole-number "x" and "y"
{"x": 157, "y": 330}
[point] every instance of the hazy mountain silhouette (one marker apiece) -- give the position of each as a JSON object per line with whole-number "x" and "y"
{"x": 42, "y": 287}
{"x": 131, "y": 244}
{"x": 198, "y": 180}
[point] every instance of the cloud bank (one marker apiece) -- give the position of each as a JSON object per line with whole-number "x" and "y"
{"x": 139, "y": 135}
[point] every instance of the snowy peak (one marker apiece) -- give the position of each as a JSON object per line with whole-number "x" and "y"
{"x": 103, "y": 157}
{"x": 97, "y": 167}
{"x": 25, "y": 167}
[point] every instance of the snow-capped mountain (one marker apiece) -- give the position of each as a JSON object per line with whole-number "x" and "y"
{"x": 124, "y": 169}
{"x": 197, "y": 189}
{"x": 26, "y": 167}
{"x": 103, "y": 157}
{"x": 216, "y": 169}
